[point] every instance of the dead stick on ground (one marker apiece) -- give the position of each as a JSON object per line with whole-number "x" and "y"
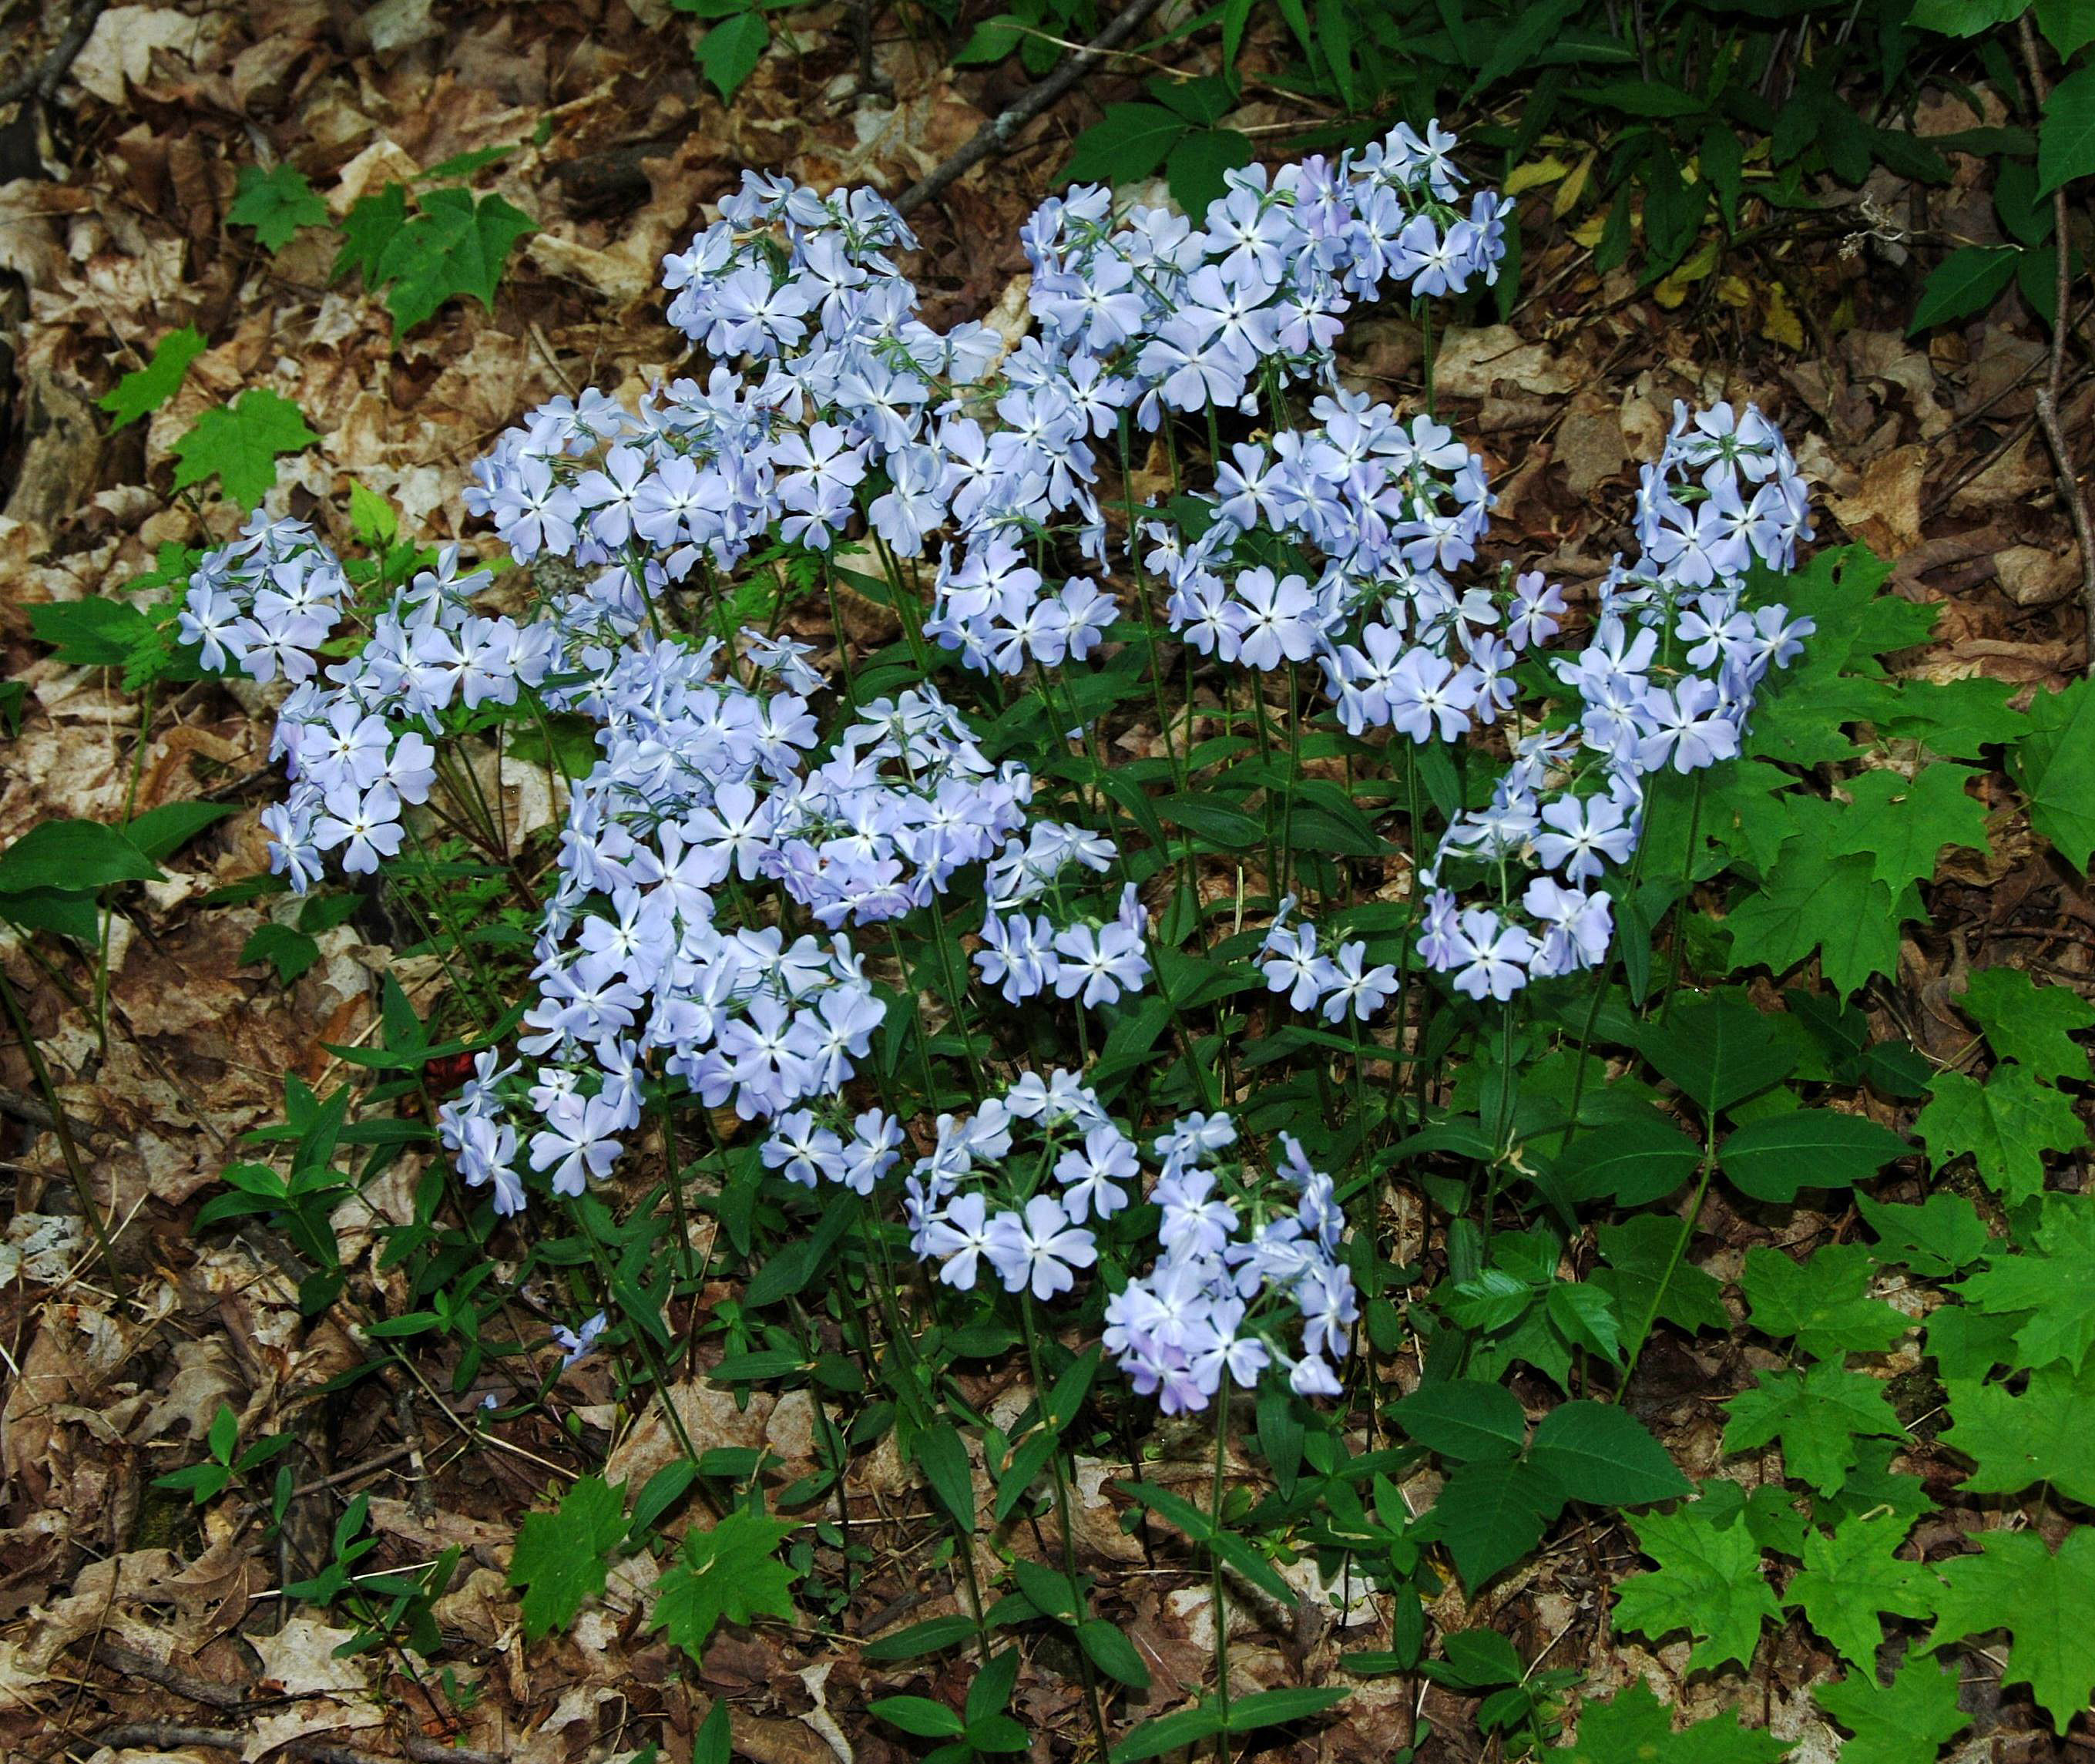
{"x": 166, "y": 1734}
{"x": 2047, "y": 397}
{"x": 996, "y": 135}
{"x": 43, "y": 79}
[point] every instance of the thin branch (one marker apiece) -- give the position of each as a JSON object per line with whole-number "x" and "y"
{"x": 2048, "y": 395}
{"x": 43, "y": 79}
{"x": 996, "y": 135}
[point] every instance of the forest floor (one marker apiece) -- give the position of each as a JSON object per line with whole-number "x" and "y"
{"x": 130, "y": 1627}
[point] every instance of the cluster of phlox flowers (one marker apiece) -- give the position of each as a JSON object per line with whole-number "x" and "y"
{"x": 1019, "y": 1186}
{"x": 1249, "y": 1277}
{"x": 1142, "y": 316}
{"x": 1666, "y": 680}
{"x": 722, "y": 852}
{"x": 354, "y": 736}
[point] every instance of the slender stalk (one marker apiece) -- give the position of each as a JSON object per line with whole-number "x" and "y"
{"x": 1673, "y": 1261}
{"x": 1091, "y": 1677}
{"x": 1680, "y": 906}
{"x": 67, "y": 1149}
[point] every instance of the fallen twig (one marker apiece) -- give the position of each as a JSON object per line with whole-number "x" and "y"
{"x": 43, "y": 78}
{"x": 165, "y": 1735}
{"x": 995, "y": 135}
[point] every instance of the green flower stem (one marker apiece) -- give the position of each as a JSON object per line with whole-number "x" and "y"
{"x": 1062, "y": 1511}
{"x": 1687, "y": 884}
{"x": 1673, "y": 1261}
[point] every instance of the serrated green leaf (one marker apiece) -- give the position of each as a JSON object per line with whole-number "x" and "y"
{"x": 276, "y": 203}
{"x": 369, "y": 227}
{"x": 2054, "y": 763}
{"x": 728, "y": 54}
{"x": 2045, "y": 1434}
{"x": 455, "y": 245}
{"x": 2032, "y": 1024}
{"x": 1638, "y": 1252}
{"x": 1817, "y": 1415}
{"x": 562, "y": 1559}
{"x": 1709, "y": 1582}
{"x": 1966, "y": 282}
{"x": 728, "y": 1574}
{"x": 1635, "y": 1728}
{"x": 2006, "y": 1125}
{"x": 1716, "y": 1050}
{"x": 2049, "y": 1290}
{"x": 2065, "y": 140}
{"x": 1195, "y": 167}
{"x": 2068, "y": 25}
{"x": 1492, "y": 1513}
{"x": 2042, "y": 1600}
{"x": 1901, "y": 824}
{"x": 1824, "y": 1302}
{"x": 1813, "y": 903}
{"x": 1853, "y": 1573}
{"x": 1633, "y": 1161}
{"x": 239, "y": 443}
{"x": 95, "y": 633}
{"x": 146, "y": 388}
{"x": 1128, "y": 143}
{"x": 1939, "y": 1239}
{"x": 1904, "y": 1723}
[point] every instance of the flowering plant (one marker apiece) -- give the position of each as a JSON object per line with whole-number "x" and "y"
{"x": 933, "y": 929}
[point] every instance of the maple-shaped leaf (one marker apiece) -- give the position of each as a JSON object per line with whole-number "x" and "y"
{"x": 1769, "y": 1512}
{"x": 1635, "y": 1728}
{"x": 728, "y": 1574}
{"x": 1832, "y": 906}
{"x": 562, "y": 1558}
{"x": 240, "y": 443}
{"x": 1903, "y": 1723}
{"x": 455, "y": 246}
{"x": 1852, "y": 1574}
{"x": 2052, "y": 764}
{"x": 2032, "y": 1024}
{"x": 2053, "y": 1280}
{"x": 276, "y": 203}
{"x": 2045, "y": 1434}
{"x": 1901, "y": 823}
{"x": 372, "y": 223}
{"x": 2041, "y": 1600}
{"x": 1709, "y": 1582}
{"x": 1957, "y": 719}
{"x": 1824, "y": 1302}
{"x": 1873, "y": 1486}
{"x": 2007, "y": 1124}
{"x": 146, "y": 388}
{"x": 1817, "y": 1415}
{"x": 1941, "y": 1238}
